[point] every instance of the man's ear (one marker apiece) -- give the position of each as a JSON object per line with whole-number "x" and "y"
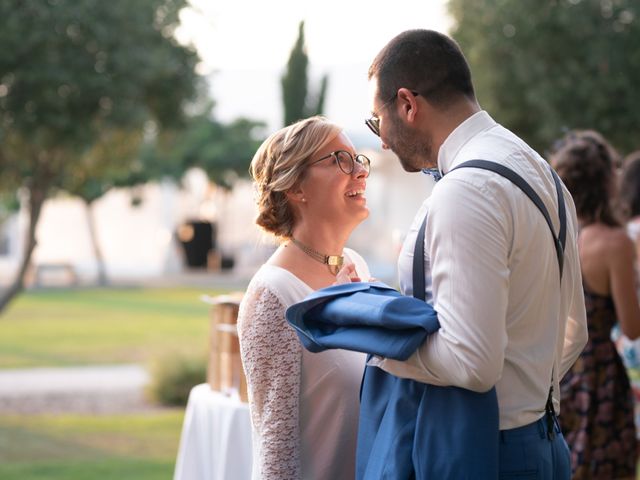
{"x": 408, "y": 104}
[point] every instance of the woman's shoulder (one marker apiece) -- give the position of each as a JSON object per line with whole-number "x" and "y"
{"x": 262, "y": 303}
{"x": 616, "y": 237}
{"x": 606, "y": 240}
{"x": 278, "y": 282}
{"x": 602, "y": 233}
{"x": 621, "y": 246}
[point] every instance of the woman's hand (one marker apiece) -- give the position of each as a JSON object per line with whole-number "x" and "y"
{"x": 347, "y": 274}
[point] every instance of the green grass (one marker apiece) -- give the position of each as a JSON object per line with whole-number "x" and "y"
{"x": 97, "y": 326}
{"x": 102, "y": 326}
{"x": 141, "y": 446}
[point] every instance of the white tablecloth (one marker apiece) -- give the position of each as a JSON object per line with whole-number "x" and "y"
{"x": 216, "y": 438}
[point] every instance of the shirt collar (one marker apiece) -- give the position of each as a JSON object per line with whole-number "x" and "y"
{"x": 472, "y": 126}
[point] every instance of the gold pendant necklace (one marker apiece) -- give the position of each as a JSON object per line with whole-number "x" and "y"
{"x": 333, "y": 262}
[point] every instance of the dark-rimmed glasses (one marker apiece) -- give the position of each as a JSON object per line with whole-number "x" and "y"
{"x": 373, "y": 122}
{"x": 347, "y": 162}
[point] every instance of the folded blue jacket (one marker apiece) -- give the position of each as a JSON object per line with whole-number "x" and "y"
{"x": 364, "y": 317}
{"x": 407, "y": 429}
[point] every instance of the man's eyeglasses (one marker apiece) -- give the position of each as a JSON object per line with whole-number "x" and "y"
{"x": 347, "y": 162}
{"x": 374, "y": 122}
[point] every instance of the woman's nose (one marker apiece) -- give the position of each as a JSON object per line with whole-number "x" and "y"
{"x": 360, "y": 171}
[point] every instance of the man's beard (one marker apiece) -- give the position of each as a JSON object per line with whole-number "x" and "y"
{"x": 414, "y": 150}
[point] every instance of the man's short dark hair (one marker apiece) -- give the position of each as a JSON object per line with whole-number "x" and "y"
{"x": 424, "y": 61}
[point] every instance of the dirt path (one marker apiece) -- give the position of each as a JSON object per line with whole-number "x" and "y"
{"x": 94, "y": 389}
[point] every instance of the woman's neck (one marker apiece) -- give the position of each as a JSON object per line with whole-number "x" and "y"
{"x": 328, "y": 241}
{"x": 306, "y": 267}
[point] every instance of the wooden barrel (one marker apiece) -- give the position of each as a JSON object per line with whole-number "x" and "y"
{"x": 224, "y": 371}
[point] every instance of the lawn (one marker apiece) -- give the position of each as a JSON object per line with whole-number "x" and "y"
{"x": 79, "y": 447}
{"x": 97, "y": 326}
{"x": 102, "y": 326}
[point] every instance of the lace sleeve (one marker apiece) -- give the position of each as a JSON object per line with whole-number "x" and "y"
{"x": 271, "y": 356}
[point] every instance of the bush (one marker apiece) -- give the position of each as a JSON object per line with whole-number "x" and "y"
{"x": 174, "y": 376}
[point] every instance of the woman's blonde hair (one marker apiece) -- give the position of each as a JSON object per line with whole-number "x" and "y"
{"x": 279, "y": 165}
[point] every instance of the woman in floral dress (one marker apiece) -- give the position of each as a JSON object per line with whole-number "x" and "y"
{"x": 596, "y": 412}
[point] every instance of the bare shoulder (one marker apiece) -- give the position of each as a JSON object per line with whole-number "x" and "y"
{"x": 604, "y": 236}
{"x": 612, "y": 243}
{"x": 618, "y": 239}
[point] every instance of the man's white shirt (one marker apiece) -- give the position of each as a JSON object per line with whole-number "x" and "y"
{"x": 505, "y": 318}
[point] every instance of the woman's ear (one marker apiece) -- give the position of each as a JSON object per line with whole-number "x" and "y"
{"x": 296, "y": 195}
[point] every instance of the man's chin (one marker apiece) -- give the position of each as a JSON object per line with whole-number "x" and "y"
{"x": 408, "y": 166}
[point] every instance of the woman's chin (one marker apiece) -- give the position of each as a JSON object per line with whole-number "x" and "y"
{"x": 363, "y": 214}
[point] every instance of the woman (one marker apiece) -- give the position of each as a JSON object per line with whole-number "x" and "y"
{"x": 630, "y": 208}
{"x": 597, "y": 404}
{"x": 304, "y": 406}
{"x": 630, "y": 212}
{"x": 630, "y": 196}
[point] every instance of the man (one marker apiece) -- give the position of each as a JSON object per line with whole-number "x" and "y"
{"x": 507, "y": 317}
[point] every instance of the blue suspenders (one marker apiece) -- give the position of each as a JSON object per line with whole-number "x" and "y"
{"x": 558, "y": 240}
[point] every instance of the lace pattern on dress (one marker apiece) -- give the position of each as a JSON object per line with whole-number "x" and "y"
{"x": 271, "y": 356}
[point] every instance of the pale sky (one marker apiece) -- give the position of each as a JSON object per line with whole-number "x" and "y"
{"x": 245, "y": 44}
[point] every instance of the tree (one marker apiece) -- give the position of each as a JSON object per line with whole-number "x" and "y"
{"x": 222, "y": 150}
{"x": 111, "y": 161}
{"x": 74, "y": 75}
{"x": 544, "y": 67}
{"x": 298, "y": 102}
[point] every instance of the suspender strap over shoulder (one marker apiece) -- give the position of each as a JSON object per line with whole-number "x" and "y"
{"x": 559, "y": 242}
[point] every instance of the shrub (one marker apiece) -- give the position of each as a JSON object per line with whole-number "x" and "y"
{"x": 174, "y": 376}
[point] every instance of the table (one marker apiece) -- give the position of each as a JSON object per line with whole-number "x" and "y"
{"x": 216, "y": 438}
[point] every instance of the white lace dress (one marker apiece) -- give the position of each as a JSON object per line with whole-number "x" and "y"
{"x": 304, "y": 406}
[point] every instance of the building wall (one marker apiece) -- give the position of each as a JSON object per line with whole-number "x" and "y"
{"x": 140, "y": 241}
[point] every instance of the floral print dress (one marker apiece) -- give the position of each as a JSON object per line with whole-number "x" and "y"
{"x": 597, "y": 410}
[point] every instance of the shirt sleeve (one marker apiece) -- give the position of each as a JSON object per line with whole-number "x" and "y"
{"x": 271, "y": 357}
{"x": 469, "y": 250}
{"x": 575, "y": 334}
{"x": 576, "y": 331}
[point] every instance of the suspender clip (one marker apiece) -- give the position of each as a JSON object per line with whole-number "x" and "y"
{"x": 550, "y": 416}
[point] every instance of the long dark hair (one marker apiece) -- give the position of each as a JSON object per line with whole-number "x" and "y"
{"x": 630, "y": 186}
{"x": 586, "y": 162}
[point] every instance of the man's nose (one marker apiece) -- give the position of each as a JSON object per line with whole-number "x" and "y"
{"x": 385, "y": 146}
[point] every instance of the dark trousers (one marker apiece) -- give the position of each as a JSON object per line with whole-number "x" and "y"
{"x": 527, "y": 453}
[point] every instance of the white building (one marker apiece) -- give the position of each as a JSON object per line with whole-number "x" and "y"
{"x": 139, "y": 242}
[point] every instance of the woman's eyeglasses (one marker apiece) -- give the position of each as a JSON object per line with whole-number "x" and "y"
{"x": 347, "y": 162}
